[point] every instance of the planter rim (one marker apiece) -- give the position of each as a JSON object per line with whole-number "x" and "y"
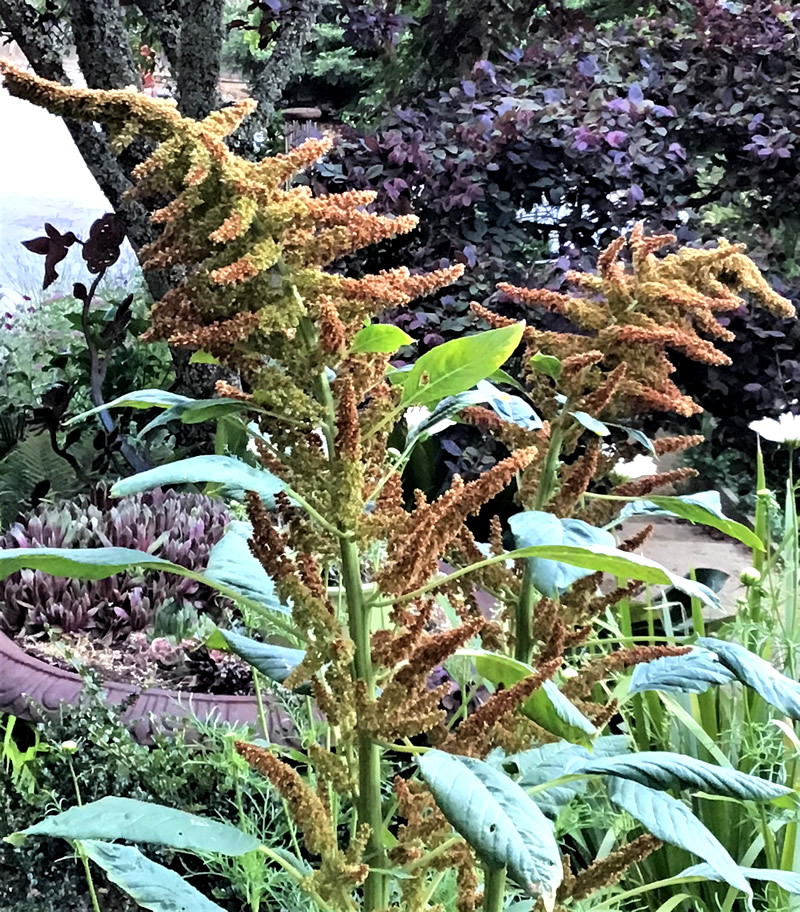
{"x": 30, "y": 687}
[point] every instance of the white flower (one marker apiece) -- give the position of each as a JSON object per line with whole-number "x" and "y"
{"x": 785, "y": 429}
{"x": 638, "y": 467}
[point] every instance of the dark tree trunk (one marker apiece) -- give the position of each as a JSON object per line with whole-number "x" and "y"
{"x": 199, "y": 60}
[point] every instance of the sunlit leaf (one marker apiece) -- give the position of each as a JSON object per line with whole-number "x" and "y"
{"x": 457, "y": 365}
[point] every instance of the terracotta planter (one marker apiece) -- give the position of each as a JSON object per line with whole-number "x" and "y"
{"x": 30, "y": 688}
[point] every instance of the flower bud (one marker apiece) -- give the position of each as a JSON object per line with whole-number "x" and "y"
{"x": 750, "y": 577}
{"x": 69, "y": 747}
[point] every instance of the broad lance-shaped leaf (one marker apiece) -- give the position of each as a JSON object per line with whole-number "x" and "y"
{"x": 497, "y": 818}
{"x": 704, "y": 508}
{"x": 510, "y": 408}
{"x": 788, "y": 880}
{"x": 151, "y": 885}
{"x": 662, "y": 769}
{"x": 537, "y": 528}
{"x": 100, "y": 563}
{"x": 619, "y": 563}
{"x": 141, "y": 821}
{"x": 547, "y": 706}
{"x": 459, "y": 364}
{"x": 140, "y": 399}
{"x": 775, "y": 688}
{"x": 182, "y": 408}
{"x": 540, "y": 765}
{"x": 233, "y": 564}
{"x": 693, "y": 672}
{"x": 672, "y": 821}
{"x": 274, "y": 662}
{"x": 232, "y": 474}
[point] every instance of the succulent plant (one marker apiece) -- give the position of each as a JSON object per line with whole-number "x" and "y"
{"x": 179, "y": 527}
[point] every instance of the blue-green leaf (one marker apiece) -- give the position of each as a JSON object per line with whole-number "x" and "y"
{"x": 704, "y": 508}
{"x": 664, "y": 770}
{"x": 151, "y": 885}
{"x": 693, "y": 672}
{"x": 637, "y": 435}
{"x": 540, "y": 765}
{"x": 672, "y": 821}
{"x": 140, "y": 399}
{"x": 497, "y": 818}
{"x": 380, "y": 337}
{"x": 788, "y": 880}
{"x": 100, "y": 563}
{"x": 457, "y": 365}
{"x": 510, "y": 408}
{"x": 274, "y": 662}
{"x": 233, "y": 564}
{"x": 536, "y": 528}
{"x": 142, "y": 821}
{"x": 618, "y": 563}
{"x": 232, "y": 474}
{"x": 775, "y": 688}
{"x": 591, "y": 424}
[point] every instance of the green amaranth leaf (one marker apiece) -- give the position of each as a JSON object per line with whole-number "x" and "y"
{"x": 591, "y": 424}
{"x": 664, "y": 770}
{"x": 497, "y": 818}
{"x": 140, "y": 399}
{"x": 788, "y": 880}
{"x": 232, "y": 474}
{"x": 704, "y": 508}
{"x": 540, "y": 765}
{"x": 457, "y": 365}
{"x": 203, "y": 357}
{"x": 141, "y": 821}
{"x": 693, "y": 672}
{"x": 380, "y": 337}
{"x": 151, "y": 885}
{"x": 548, "y": 365}
{"x": 775, "y": 688}
{"x": 621, "y": 564}
{"x": 534, "y": 527}
{"x": 233, "y": 564}
{"x": 100, "y": 563}
{"x": 547, "y": 706}
{"x": 274, "y": 662}
{"x": 672, "y": 821}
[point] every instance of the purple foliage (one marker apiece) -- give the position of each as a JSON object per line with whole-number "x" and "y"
{"x": 586, "y": 130}
{"x": 181, "y": 528}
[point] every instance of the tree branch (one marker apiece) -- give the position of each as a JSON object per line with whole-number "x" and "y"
{"x": 198, "y": 70}
{"x": 102, "y": 44}
{"x": 272, "y": 77}
{"x": 45, "y": 58}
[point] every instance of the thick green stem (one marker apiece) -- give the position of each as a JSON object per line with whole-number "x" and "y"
{"x": 523, "y": 638}
{"x": 494, "y": 889}
{"x": 549, "y": 477}
{"x": 761, "y": 528}
{"x": 369, "y": 810}
{"x": 369, "y": 753}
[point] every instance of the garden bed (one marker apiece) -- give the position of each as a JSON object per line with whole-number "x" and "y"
{"x": 30, "y": 687}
